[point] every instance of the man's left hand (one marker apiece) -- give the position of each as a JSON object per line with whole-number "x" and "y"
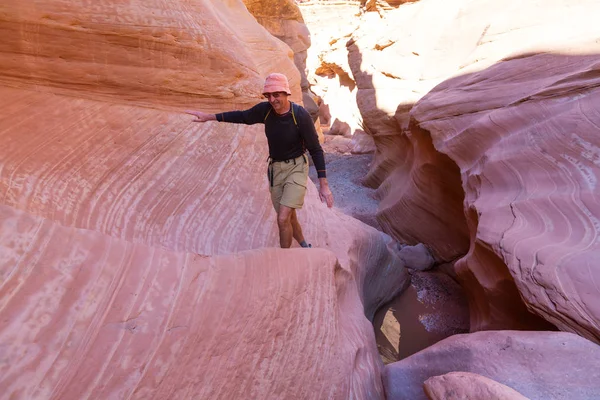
{"x": 325, "y": 195}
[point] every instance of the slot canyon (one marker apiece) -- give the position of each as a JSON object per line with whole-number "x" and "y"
{"x": 140, "y": 252}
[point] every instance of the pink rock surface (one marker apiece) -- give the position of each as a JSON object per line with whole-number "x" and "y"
{"x": 154, "y": 177}
{"x": 86, "y": 315}
{"x": 122, "y": 225}
{"x": 525, "y": 136}
{"x": 151, "y": 52}
{"x": 467, "y": 386}
{"x": 539, "y": 365}
{"x": 499, "y": 164}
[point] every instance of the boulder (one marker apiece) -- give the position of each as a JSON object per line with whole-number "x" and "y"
{"x": 416, "y": 257}
{"x": 467, "y": 386}
{"x": 539, "y": 365}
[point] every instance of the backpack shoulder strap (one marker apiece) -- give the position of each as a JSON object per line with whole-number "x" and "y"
{"x": 294, "y": 115}
{"x": 267, "y": 116}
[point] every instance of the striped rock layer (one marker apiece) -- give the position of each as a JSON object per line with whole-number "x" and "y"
{"x": 137, "y": 248}
{"x": 487, "y": 149}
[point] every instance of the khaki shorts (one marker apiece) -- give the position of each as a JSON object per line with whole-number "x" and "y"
{"x": 289, "y": 181}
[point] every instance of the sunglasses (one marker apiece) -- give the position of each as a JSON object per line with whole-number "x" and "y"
{"x": 275, "y": 95}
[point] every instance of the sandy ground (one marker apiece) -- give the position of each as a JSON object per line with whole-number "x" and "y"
{"x": 344, "y": 174}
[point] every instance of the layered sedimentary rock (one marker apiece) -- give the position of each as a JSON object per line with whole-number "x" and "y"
{"x": 155, "y": 177}
{"x": 525, "y": 135}
{"x": 122, "y": 224}
{"x": 179, "y": 53}
{"x": 499, "y": 164}
{"x": 538, "y": 365}
{"x": 87, "y": 315}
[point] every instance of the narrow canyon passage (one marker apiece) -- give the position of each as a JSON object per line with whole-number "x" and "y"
{"x": 434, "y": 306}
{"x": 374, "y": 141}
{"x": 140, "y": 252}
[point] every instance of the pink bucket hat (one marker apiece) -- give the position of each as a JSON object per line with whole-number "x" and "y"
{"x": 276, "y": 83}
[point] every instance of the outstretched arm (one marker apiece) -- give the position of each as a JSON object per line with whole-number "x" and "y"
{"x": 251, "y": 116}
{"x": 202, "y": 116}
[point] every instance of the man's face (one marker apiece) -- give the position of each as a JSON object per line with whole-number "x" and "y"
{"x": 278, "y": 100}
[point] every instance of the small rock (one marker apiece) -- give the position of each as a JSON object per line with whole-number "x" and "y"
{"x": 416, "y": 257}
{"x": 468, "y": 386}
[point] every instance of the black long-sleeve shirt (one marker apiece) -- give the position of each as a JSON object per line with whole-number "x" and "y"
{"x": 286, "y": 139}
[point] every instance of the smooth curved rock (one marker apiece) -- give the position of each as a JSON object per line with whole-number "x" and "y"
{"x": 177, "y": 54}
{"x": 122, "y": 224}
{"x": 525, "y": 135}
{"x": 88, "y": 315}
{"x": 154, "y": 177}
{"x": 539, "y": 365}
{"x": 468, "y": 386}
{"x": 515, "y": 132}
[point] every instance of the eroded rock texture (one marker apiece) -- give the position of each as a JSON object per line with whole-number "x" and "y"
{"x": 328, "y": 72}
{"x": 86, "y": 315}
{"x": 500, "y": 161}
{"x": 538, "y": 365}
{"x": 528, "y": 147}
{"x": 123, "y": 269}
{"x": 179, "y": 53}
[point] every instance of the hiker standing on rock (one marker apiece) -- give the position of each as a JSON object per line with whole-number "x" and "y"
{"x": 290, "y": 132}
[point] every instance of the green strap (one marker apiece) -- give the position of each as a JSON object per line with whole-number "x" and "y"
{"x": 293, "y": 115}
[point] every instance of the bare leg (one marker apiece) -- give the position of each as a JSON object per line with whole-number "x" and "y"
{"x": 284, "y": 217}
{"x": 296, "y": 229}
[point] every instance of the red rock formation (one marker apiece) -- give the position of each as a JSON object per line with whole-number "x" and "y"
{"x": 524, "y": 135}
{"x": 328, "y": 72}
{"x": 183, "y": 54}
{"x": 88, "y": 315}
{"x": 539, "y": 365}
{"x": 283, "y": 20}
{"x": 121, "y": 225}
{"x": 500, "y": 164}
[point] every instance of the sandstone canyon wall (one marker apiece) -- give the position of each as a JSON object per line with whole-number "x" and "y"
{"x": 132, "y": 241}
{"x": 496, "y": 165}
{"x": 149, "y": 52}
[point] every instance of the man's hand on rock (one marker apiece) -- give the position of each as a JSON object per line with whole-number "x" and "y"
{"x": 202, "y": 116}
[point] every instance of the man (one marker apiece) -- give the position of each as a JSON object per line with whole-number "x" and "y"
{"x": 290, "y": 132}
